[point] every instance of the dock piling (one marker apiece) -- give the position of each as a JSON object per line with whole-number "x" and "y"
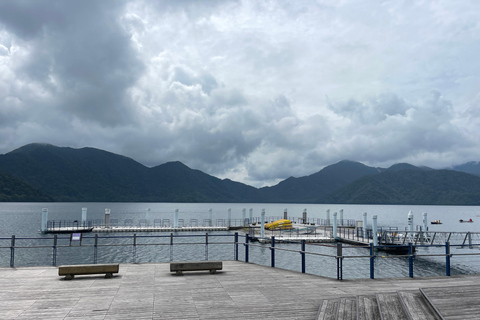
{"x": 44, "y": 220}
{"x": 334, "y": 225}
{"x": 262, "y": 223}
{"x": 84, "y": 216}
{"x": 107, "y": 218}
{"x": 364, "y": 228}
{"x": 175, "y": 219}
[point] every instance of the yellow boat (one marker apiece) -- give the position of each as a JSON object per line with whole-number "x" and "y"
{"x": 279, "y": 225}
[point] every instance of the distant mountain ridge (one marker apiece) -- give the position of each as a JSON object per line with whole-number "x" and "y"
{"x": 43, "y": 172}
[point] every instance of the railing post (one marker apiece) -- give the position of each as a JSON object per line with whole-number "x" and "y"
{"x": 273, "y": 252}
{"x": 339, "y": 261}
{"x": 206, "y": 246}
{"x": 12, "y": 253}
{"x": 303, "y": 256}
{"x": 171, "y": 246}
{"x": 447, "y": 257}
{"x": 236, "y": 244}
{"x": 95, "y": 250}
{"x": 134, "y": 248}
{"x": 372, "y": 262}
{"x": 54, "y": 262}
{"x": 246, "y": 247}
{"x": 410, "y": 260}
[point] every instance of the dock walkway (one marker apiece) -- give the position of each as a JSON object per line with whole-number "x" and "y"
{"x": 240, "y": 291}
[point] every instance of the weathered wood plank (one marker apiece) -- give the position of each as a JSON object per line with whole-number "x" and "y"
{"x": 367, "y": 308}
{"x": 416, "y": 306}
{"x": 243, "y": 291}
{"x": 390, "y": 306}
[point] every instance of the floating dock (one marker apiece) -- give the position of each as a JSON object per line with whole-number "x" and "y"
{"x": 132, "y": 229}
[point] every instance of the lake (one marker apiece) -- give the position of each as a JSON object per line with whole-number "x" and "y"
{"x": 24, "y": 220}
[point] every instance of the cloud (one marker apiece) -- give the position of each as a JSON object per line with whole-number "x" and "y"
{"x": 247, "y": 90}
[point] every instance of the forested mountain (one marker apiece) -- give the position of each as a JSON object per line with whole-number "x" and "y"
{"x": 42, "y": 172}
{"x": 316, "y": 187}
{"x": 472, "y": 167}
{"x": 411, "y": 186}
{"x": 14, "y": 190}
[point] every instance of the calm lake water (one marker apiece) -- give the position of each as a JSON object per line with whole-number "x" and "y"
{"x": 24, "y": 219}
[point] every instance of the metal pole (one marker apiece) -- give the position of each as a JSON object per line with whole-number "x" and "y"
{"x": 303, "y": 256}
{"x": 341, "y": 217}
{"x": 339, "y": 261}
{"x": 372, "y": 262}
{"x": 250, "y": 216}
{"x": 206, "y": 246}
{"x": 410, "y": 260}
{"x": 12, "y": 253}
{"x": 134, "y": 248}
{"x": 95, "y": 250}
{"x": 236, "y": 245}
{"x": 447, "y": 257}
{"x": 171, "y": 246}
{"x": 244, "y": 216}
{"x": 210, "y": 217}
{"x": 246, "y": 247}
{"x": 273, "y": 252}
{"x": 54, "y": 262}
{"x": 374, "y": 231}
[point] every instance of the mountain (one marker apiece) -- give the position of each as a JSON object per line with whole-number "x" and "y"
{"x": 89, "y": 174}
{"x": 411, "y": 186}
{"x": 43, "y": 172}
{"x": 316, "y": 187}
{"x": 472, "y": 167}
{"x": 14, "y": 190}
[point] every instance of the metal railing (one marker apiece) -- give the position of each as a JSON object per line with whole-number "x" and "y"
{"x": 234, "y": 247}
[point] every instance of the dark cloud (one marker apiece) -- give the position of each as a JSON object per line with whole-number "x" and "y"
{"x": 79, "y": 52}
{"x": 237, "y": 88}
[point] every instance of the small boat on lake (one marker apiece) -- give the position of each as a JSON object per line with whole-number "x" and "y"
{"x": 464, "y": 221}
{"x": 436, "y": 222}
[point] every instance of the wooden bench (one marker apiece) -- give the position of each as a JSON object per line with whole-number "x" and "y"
{"x": 179, "y": 267}
{"x": 70, "y": 271}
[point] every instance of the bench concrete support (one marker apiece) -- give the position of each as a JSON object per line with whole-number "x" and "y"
{"x": 179, "y": 267}
{"x": 71, "y": 271}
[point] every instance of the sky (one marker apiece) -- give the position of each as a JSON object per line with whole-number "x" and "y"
{"x": 254, "y": 91}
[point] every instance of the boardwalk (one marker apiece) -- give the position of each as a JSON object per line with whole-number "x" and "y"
{"x": 150, "y": 291}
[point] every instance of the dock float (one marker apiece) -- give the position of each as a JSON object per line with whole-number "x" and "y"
{"x": 132, "y": 229}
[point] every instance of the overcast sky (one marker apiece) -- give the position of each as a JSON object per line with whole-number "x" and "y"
{"x": 255, "y": 91}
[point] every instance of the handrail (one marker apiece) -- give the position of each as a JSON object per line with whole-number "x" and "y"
{"x": 206, "y": 240}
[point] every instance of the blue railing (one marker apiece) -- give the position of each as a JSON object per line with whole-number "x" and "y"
{"x": 234, "y": 247}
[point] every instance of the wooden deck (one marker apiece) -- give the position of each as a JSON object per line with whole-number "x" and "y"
{"x": 240, "y": 291}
